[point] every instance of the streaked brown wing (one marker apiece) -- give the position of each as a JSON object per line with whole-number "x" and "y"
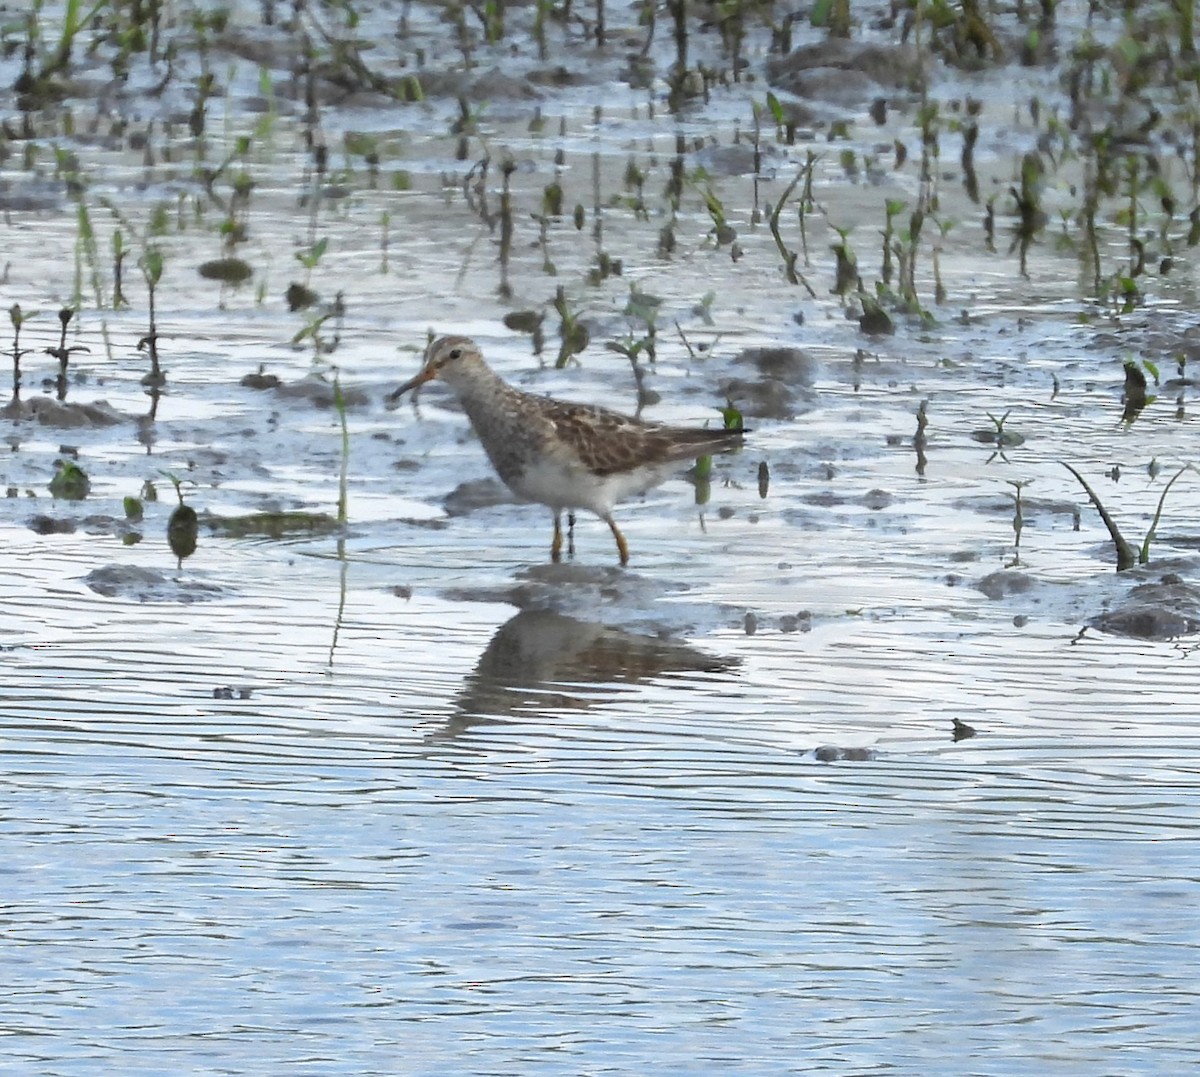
{"x": 608, "y": 442}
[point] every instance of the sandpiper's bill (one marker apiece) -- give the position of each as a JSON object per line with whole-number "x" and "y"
{"x": 562, "y": 455}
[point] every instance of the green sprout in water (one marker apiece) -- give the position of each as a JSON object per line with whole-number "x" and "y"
{"x": 311, "y": 257}
{"x": 790, "y": 257}
{"x": 846, "y": 271}
{"x": 892, "y": 208}
{"x": 1018, "y": 523}
{"x": 632, "y": 347}
{"x": 998, "y": 436}
{"x": 732, "y": 416}
{"x": 572, "y": 332}
{"x": 722, "y": 230}
{"x": 151, "y": 264}
{"x": 1135, "y": 396}
{"x": 1127, "y": 555}
{"x": 18, "y": 319}
{"x": 62, "y": 353}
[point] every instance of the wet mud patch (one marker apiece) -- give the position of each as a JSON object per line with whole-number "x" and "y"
{"x": 62, "y": 415}
{"x": 1161, "y": 609}
{"x": 873, "y": 500}
{"x": 1034, "y": 509}
{"x": 828, "y": 70}
{"x": 279, "y": 524}
{"x": 42, "y": 523}
{"x": 1005, "y": 583}
{"x": 476, "y": 494}
{"x": 829, "y": 753}
{"x": 780, "y": 385}
{"x": 315, "y": 390}
{"x": 135, "y": 583}
{"x": 1151, "y": 602}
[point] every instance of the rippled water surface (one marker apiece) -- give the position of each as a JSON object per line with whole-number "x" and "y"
{"x": 415, "y": 859}
{"x": 842, "y": 775}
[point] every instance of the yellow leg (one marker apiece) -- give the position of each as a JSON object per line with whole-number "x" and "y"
{"x": 556, "y": 544}
{"x": 622, "y": 545}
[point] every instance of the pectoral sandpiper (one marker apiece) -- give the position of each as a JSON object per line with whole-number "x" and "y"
{"x": 562, "y": 455}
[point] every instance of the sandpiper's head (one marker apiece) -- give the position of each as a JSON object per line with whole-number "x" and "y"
{"x": 446, "y": 358}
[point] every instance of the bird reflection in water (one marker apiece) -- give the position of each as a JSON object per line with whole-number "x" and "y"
{"x": 544, "y": 663}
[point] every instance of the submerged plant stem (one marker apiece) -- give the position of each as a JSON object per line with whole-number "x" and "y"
{"x": 1126, "y": 557}
{"x": 789, "y": 257}
{"x": 339, "y": 402}
{"x": 1144, "y": 555}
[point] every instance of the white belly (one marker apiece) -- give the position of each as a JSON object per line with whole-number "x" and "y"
{"x": 552, "y": 483}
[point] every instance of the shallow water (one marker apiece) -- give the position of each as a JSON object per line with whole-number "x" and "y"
{"x": 408, "y": 799}
{"x": 381, "y": 867}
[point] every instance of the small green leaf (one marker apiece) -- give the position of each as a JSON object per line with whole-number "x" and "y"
{"x": 69, "y": 482}
{"x": 732, "y": 416}
{"x": 152, "y": 265}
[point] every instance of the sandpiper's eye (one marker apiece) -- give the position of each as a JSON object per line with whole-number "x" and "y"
{"x": 455, "y": 353}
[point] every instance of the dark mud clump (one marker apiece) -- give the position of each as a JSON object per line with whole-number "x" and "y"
{"x": 42, "y": 524}
{"x": 62, "y": 416}
{"x": 261, "y": 380}
{"x": 320, "y": 393}
{"x": 783, "y": 385}
{"x": 96, "y": 524}
{"x": 1032, "y": 508}
{"x": 492, "y": 85}
{"x": 875, "y": 500}
{"x": 997, "y": 585}
{"x": 136, "y": 584}
{"x": 829, "y": 753}
{"x": 845, "y": 73}
{"x": 476, "y": 494}
{"x": 272, "y": 525}
{"x": 1159, "y": 610}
